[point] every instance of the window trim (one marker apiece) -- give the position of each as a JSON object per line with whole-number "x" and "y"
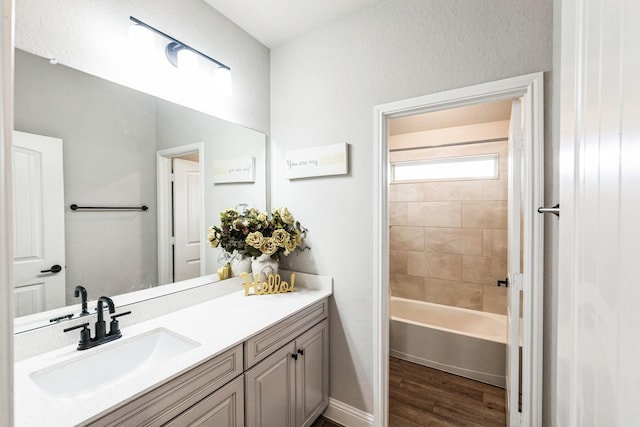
{"x": 438, "y": 161}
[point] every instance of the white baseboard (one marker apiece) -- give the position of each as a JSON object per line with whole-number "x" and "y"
{"x": 346, "y": 415}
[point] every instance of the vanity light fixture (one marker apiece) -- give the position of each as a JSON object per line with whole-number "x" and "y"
{"x": 182, "y": 55}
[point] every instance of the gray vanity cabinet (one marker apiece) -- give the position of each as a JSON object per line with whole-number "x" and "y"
{"x": 285, "y": 382}
{"x": 224, "y": 408}
{"x": 290, "y": 388}
{"x": 198, "y": 392}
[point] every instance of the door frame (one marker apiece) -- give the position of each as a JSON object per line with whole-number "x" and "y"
{"x": 165, "y": 217}
{"x": 530, "y": 87}
{"x": 6, "y": 214}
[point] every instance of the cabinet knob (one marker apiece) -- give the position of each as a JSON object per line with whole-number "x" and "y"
{"x": 301, "y": 352}
{"x": 295, "y": 356}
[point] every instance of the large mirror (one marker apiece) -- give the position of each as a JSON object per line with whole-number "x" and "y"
{"x": 114, "y": 141}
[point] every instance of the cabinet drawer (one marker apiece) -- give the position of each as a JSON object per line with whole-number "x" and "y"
{"x": 263, "y": 344}
{"x": 224, "y": 408}
{"x": 167, "y": 401}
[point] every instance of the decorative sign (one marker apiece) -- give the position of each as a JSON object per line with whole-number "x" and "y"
{"x": 317, "y": 161}
{"x": 273, "y": 285}
{"x": 240, "y": 169}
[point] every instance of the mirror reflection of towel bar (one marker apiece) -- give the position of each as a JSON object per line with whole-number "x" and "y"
{"x": 75, "y": 207}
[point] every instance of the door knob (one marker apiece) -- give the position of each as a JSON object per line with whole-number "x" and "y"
{"x": 54, "y": 269}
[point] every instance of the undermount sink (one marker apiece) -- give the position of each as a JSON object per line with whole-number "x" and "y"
{"x": 115, "y": 361}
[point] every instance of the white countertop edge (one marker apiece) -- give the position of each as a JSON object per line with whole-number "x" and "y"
{"x": 217, "y": 324}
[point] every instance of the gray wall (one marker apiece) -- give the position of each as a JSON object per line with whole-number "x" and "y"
{"x": 110, "y": 137}
{"x": 179, "y": 126}
{"x": 109, "y": 146}
{"x": 324, "y": 87}
{"x": 93, "y": 36}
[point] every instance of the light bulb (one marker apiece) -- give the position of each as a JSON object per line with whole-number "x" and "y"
{"x": 187, "y": 61}
{"x": 141, "y": 37}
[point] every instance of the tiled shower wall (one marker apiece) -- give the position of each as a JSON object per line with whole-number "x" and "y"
{"x": 448, "y": 239}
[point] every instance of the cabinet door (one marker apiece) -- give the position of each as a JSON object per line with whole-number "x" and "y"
{"x": 164, "y": 403}
{"x": 312, "y": 373}
{"x": 224, "y": 408}
{"x": 270, "y": 390}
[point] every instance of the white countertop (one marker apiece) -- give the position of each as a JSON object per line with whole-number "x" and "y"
{"x": 217, "y": 325}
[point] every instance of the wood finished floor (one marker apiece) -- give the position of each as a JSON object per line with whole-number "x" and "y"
{"x": 323, "y": 422}
{"x": 421, "y": 396}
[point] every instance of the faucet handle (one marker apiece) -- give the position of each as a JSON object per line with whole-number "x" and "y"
{"x": 114, "y": 327}
{"x": 85, "y": 333}
{"x": 71, "y": 328}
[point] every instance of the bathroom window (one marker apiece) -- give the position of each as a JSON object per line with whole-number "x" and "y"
{"x": 451, "y": 168}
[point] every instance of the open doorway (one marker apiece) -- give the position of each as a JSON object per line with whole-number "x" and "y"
{"x": 523, "y": 156}
{"x": 448, "y": 240}
{"x": 180, "y": 213}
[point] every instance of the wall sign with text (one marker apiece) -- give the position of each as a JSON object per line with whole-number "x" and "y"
{"x": 241, "y": 169}
{"x": 317, "y": 161}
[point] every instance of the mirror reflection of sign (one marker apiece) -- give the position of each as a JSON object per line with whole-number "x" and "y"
{"x": 317, "y": 161}
{"x": 234, "y": 170}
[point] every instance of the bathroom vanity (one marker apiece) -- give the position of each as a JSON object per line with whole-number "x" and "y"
{"x": 232, "y": 361}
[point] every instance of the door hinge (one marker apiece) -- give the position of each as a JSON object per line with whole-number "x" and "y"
{"x": 172, "y": 240}
{"x": 518, "y": 142}
{"x": 172, "y": 177}
{"x": 517, "y": 281}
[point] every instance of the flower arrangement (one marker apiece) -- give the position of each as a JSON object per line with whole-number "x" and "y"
{"x": 252, "y": 233}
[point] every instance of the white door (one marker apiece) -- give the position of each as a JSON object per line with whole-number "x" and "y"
{"x": 514, "y": 262}
{"x": 598, "y": 315}
{"x": 38, "y": 217}
{"x": 187, "y": 222}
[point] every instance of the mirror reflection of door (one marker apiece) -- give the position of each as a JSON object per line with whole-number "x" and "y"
{"x": 186, "y": 218}
{"x": 38, "y": 218}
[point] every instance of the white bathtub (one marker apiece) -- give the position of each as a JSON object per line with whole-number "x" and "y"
{"x": 464, "y": 342}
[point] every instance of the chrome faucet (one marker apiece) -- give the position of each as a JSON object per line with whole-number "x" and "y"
{"x": 101, "y": 335}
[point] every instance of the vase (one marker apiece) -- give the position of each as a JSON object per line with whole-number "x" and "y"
{"x": 264, "y": 266}
{"x": 239, "y": 265}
